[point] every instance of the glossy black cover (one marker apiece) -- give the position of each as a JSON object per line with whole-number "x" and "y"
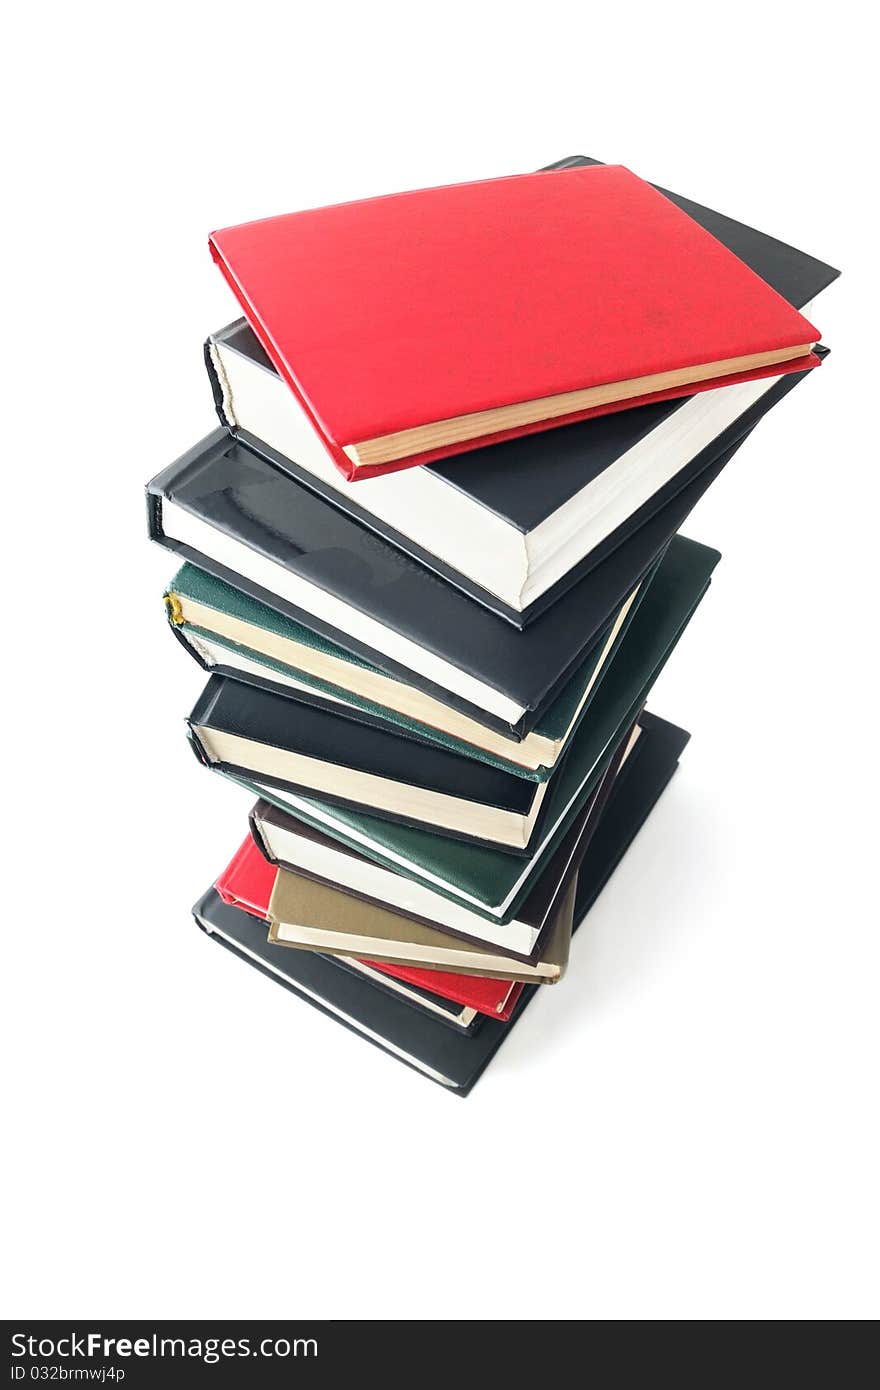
{"x": 723, "y": 446}
{"x": 242, "y": 494}
{"x": 525, "y": 480}
{"x": 397, "y": 1026}
{"x": 450, "y": 1015}
{"x": 329, "y": 736}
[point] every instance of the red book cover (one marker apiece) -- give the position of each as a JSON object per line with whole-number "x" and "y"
{"x": 247, "y": 882}
{"x": 494, "y": 997}
{"x": 419, "y": 309}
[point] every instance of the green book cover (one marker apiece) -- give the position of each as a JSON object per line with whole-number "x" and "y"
{"x": 485, "y": 877}
{"x": 195, "y": 585}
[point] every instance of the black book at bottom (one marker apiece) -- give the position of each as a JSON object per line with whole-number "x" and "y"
{"x": 453, "y": 1060}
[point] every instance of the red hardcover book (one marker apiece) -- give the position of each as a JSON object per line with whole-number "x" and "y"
{"x": 247, "y": 882}
{"x": 424, "y": 324}
{"x": 494, "y": 997}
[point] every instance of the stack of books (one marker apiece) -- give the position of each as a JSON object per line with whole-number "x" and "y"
{"x": 431, "y": 563}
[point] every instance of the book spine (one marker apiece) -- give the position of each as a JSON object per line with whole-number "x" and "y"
{"x": 220, "y": 388}
{"x": 195, "y": 745}
{"x": 256, "y": 830}
{"x": 181, "y": 634}
{"x": 205, "y": 705}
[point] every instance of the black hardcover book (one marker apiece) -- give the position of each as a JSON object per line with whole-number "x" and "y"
{"x": 232, "y": 513}
{"x": 491, "y": 881}
{"x": 516, "y": 524}
{"x": 451, "y": 1014}
{"x": 242, "y": 728}
{"x": 429, "y": 1045}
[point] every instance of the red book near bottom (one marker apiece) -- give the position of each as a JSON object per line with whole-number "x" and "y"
{"x": 247, "y": 882}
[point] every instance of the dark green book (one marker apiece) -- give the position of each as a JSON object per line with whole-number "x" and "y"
{"x": 490, "y": 881}
{"x": 235, "y": 635}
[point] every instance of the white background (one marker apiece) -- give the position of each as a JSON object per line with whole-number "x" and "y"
{"x": 687, "y": 1127}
